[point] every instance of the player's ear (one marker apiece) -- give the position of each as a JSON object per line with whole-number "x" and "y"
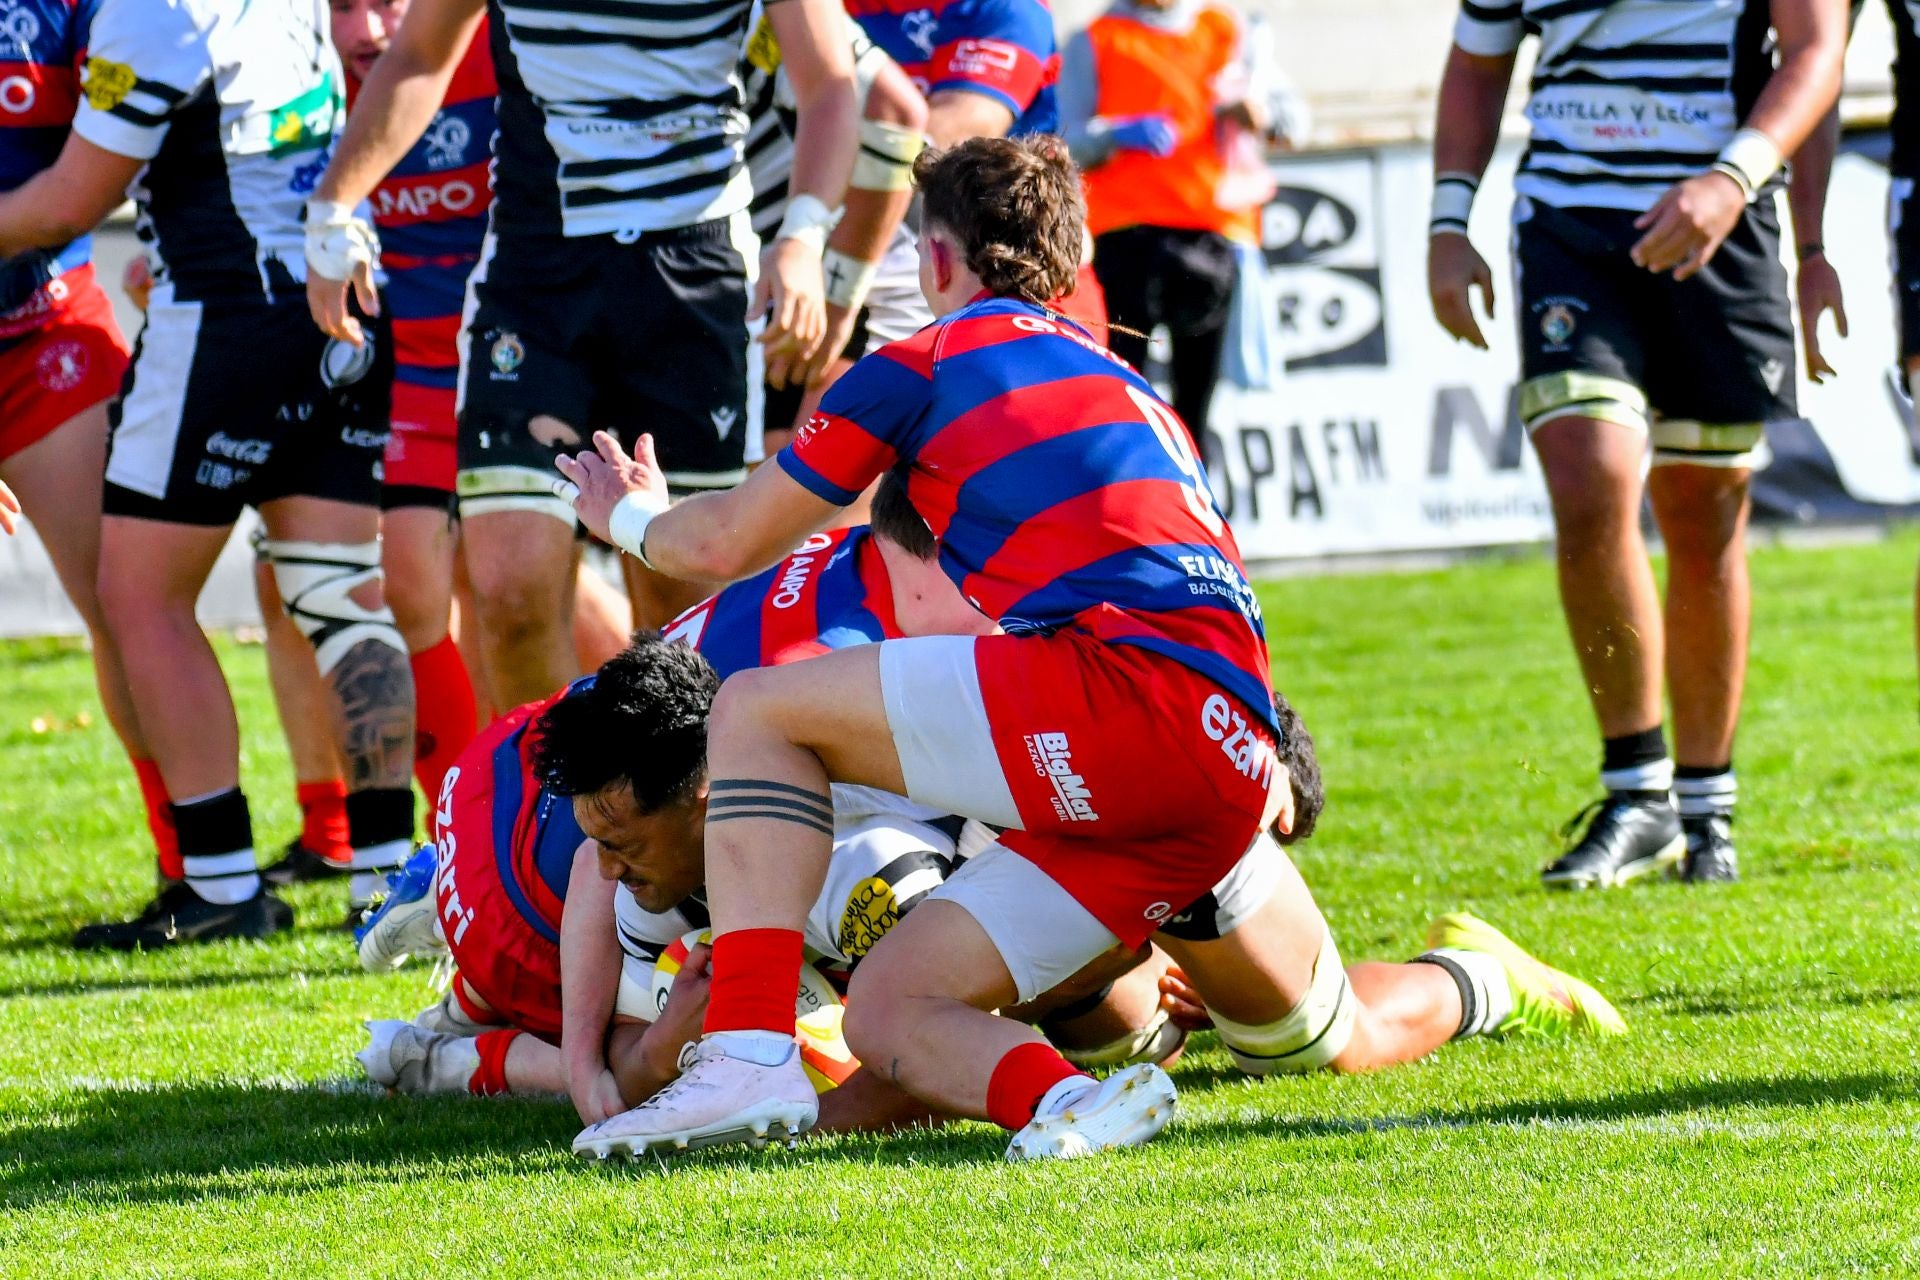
{"x": 942, "y": 263}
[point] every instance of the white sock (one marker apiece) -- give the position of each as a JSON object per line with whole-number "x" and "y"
{"x": 1067, "y": 1093}
{"x": 767, "y": 1048}
{"x": 1655, "y": 775}
{"x": 370, "y": 867}
{"x": 1486, "y": 993}
{"x": 223, "y": 877}
{"x": 1706, "y": 797}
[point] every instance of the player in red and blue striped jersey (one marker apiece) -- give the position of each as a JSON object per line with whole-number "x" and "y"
{"x": 431, "y": 211}
{"x": 62, "y": 355}
{"x": 1122, "y": 733}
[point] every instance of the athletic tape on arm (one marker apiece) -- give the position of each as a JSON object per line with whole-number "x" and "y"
{"x": 316, "y": 581}
{"x": 886, "y": 156}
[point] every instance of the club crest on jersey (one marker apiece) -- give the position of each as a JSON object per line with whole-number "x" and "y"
{"x": 305, "y": 124}
{"x": 506, "y": 354}
{"x": 917, "y": 27}
{"x": 1052, "y": 758}
{"x": 447, "y": 139}
{"x": 107, "y": 83}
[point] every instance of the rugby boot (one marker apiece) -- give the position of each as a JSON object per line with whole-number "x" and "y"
{"x": 412, "y": 1059}
{"x": 300, "y": 865}
{"x": 179, "y": 915}
{"x": 405, "y": 924}
{"x": 1710, "y": 857}
{"x": 716, "y": 1099}
{"x": 1625, "y": 838}
{"x": 1078, "y": 1117}
{"x": 1546, "y": 1001}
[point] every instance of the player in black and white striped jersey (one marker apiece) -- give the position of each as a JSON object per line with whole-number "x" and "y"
{"x": 613, "y": 294}
{"x": 1652, "y": 303}
{"x": 872, "y": 261}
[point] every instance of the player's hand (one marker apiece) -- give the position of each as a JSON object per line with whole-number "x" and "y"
{"x": 596, "y": 1097}
{"x": 1454, "y": 269}
{"x": 342, "y": 251}
{"x": 1819, "y": 293}
{"x": 814, "y": 370}
{"x": 681, "y": 1020}
{"x": 1686, "y": 226}
{"x": 1151, "y": 134}
{"x": 9, "y": 509}
{"x": 137, "y": 280}
{"x": 792, "y": 294}
{"x": 604, "y": 474}
{"x": 1183, "y": 1005}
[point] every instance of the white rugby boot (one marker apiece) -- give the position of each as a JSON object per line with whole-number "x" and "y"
{"x": 412, "y": 1059}
{"x": 449, "y": 1017}
{"x": 717, "y": 1099}
{"x": 1078, "y": 1119}
{"x": 407, "y": 923}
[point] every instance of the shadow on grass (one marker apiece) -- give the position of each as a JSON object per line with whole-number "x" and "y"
{"x": 170, "y": 981}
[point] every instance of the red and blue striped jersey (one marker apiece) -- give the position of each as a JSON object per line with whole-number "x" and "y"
{"x": 1003, "y": 49}
{"x": 432, "y": 215}
{"x": 1062, "y": 489}
{"x": 831, "y": 593}
{"x": 43, "y": 46}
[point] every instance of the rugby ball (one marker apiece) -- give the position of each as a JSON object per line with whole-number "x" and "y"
{"x": 817, "y": 1013}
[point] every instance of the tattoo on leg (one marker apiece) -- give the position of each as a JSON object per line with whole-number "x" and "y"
{"x": 731, "y": 798}
{"x": 373, "y": 696}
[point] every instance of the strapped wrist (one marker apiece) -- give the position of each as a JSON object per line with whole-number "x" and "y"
{"x": 808, "y": 220}
{"x": 628, "y": 521}
{"x": 848, "y": 279}
{"x": 1453, "y": 194}
{"x": 1751, "y": 159}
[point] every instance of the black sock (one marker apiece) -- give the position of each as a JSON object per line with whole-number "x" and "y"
{"x": 1636, "y": 764}
{"x": 216, "y": 846}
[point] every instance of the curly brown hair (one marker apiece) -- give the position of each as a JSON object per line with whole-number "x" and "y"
{"x": 1015, "y": 206}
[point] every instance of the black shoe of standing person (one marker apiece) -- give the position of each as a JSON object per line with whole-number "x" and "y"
{"x": 179, "y": 915}
{"x": 1710, "y": 857}
{"x": 1628, "y": 836}
{"x": 301, "y": 865}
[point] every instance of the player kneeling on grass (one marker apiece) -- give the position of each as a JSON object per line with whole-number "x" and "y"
{"x": 1255, "y": 959}
{"x": 578, "y": 810}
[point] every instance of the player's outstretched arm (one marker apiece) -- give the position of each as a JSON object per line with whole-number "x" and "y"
{"x": 1686, "y": 227}
{"x": 710, "y": 537}
{"x": 819, "y": 65}
{"x": 65, "y": 200}
{"x": 397, "y": 102}
{"x": 1473, "y": 95}
{"x": 589, "y": 983}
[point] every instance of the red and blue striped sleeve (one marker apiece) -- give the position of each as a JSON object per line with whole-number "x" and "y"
{"x": 869, "y": 420}
{"x": 1003, "y": 49}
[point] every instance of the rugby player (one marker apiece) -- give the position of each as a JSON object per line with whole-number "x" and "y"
{"x": 1071, "y": 509}
{"x": 61, "y": 361}
{"x": 220, "y": 120}
{"x": 613, "y": 291}
{"x": 1653, "y": 305}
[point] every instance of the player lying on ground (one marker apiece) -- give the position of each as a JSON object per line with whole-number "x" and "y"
{"x": 1256, "y": 960}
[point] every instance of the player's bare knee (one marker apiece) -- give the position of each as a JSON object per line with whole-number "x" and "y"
{"x": 878, "y": 1015}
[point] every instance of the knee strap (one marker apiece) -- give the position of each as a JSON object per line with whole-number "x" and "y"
{"x": 1313, "y": 1034}
{"x": 316, "y": 581}
{"x": 1151, "y": 1043}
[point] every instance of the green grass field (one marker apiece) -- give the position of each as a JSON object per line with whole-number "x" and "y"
{"x": 194, "y": 1113}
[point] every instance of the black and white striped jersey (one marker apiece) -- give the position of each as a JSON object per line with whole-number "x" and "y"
{"x": 234, "y": 107}
{"x": 1628, "y": 96}
{"x": 618, "y": 116}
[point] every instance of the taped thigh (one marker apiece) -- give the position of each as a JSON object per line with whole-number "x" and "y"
{"x": 1679, "y": 442}
{"x": 484, "y": 490}
{"x": 1575, "y": 393}
{"x": 317, "y": 581}
{"x": 1312, "y": 1035}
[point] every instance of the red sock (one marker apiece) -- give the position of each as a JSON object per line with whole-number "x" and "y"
{"x": 166, "y": 843}
{"x": 443, "y": 713}
{"x": 491, "y": 1075}
{"x": 1021, "y": 1079}
{"x": 755, "y": 973}
{"x": 323, "y": 819}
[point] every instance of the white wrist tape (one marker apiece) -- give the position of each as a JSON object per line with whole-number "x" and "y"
{"x": 627, "y": 525}
{"x": 808, "y": 220}
{"x": 848, "y": 279}
{"x": 886, "y": 156}
{"x": 1452, "y": 202}
{"x": 338, "y": 240}
{"x": 1750, "y": 160}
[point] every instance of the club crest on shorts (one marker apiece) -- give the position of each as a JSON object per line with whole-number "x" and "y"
{"x": 342, "y": 364}
{"x": 61, "y": 366}
{"x": 507, "y": 354}
{"x": 1557, "y": 323}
